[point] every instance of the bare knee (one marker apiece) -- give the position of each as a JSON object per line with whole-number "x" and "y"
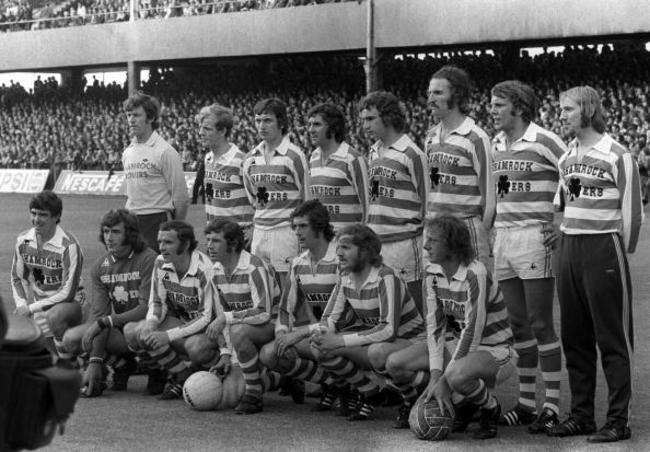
{"x": 132, "y": 334}
{"x": 200, "y": 349}
{"x": 377, "y": 355}
{"x": 268, "y": 356}
{"x": 72, "y": 342}
{"x": 238, "y": 334}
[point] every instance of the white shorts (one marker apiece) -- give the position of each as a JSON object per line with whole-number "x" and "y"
{"x": 504, "y": 355}
{"x": 277, "y": 246}
{"x": 405, "y": 257}
{"x": 519, "y": 252}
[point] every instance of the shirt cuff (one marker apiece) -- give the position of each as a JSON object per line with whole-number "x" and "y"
{"x": 225, "y": 351}
{"x": 174, "y": 333}
{"x": 34, "y": 308}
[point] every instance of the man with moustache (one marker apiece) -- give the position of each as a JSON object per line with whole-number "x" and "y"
{"x": 460, "y": 160}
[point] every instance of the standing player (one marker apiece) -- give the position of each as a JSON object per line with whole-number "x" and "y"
{"x": 603, "y": 212}
{"x": 155, "y": 184}
{"x": 246, "y": 290}
{"x": 399, "y": 186}
{"x": 276, "y": 176}
{"x": 180, "y": 306}
{"x": 469, "y": 339}
{"x": 224, "y": 184}
{"x": 312, "y": 277}
{"x": 120, "y": 282}
{"x": 339, "y": 174}
{"x": 460, "y": 160}
{"x": 46, "y": 272}
{"x": 381, "y": 303}
{"x": 525, "y": 165}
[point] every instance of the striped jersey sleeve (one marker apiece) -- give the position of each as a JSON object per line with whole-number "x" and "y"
{"x": 189, "y": 299}
{"x": 276, "y": 188}
{"x": 460, "y": 171}
{"x": 341, "y": 185}
{"x": 526, "y": 177}
{"x": 468, "y": 307}
{"x": 248, "y": 295}
{"x": 601, "y": 190}
{"x": 307, "y": 291}
{"x": 225, "y": 194}
{"x": 399, "y": 188}
{"x": 383, "y": 306}
{"x": 44, "y": 276}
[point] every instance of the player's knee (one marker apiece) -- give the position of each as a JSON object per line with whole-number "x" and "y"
{"x": 57, "y": 323}
{"x": 377, "y": 355}
{"x": 543, "y": 330}
{"x": 131, "y": 334}
{"x": 199, "y": 349}
{"x": 268, "y": 357}
{"x": 238, "y": 334}
{"x": 394, "y": 364}
{"x": 72, "y": 343}
{"x": 457, "y": 378}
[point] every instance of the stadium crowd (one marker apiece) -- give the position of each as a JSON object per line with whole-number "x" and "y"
{"x": 66, "y": 128}
{"x": 16, "y": 15}
{"x": 427, "y": 274}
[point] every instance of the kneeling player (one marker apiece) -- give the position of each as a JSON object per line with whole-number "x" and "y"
{"x": 468, "y": 336}
{"x": 46, "y": 272}
{"x": 180, "y": 306}
{"x": 120, "y": 284}
{"x": 312, "y": 277}
{"x": 245, "y": 292}
{"x": 380, "y": 301}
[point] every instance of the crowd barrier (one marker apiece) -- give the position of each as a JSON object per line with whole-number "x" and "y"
{"x": 22, "y": 180}
{"x": 101, "y": 183}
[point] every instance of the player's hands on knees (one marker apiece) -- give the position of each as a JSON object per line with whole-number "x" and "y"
{"x": 329, "y": 342}
{"x": 87, "y": 339}
{"x": 23, "y": 311}
{"x": 157, "y": 339}
{"x": 551, "y": 234}
{"x": 92, "y": 383}
{"x": 223, "y": 366}
{"x": 284, "y": 344}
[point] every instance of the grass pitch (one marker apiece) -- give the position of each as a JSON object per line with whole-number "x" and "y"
{"x": 130, "y": 421}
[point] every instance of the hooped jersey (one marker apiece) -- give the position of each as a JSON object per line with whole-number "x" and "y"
{"x": 526, "y": 177}
{"x": 189, "y": 298}
{"x": 468, "y": 307}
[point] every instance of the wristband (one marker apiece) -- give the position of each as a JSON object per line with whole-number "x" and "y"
{"x": 96, "y": 359}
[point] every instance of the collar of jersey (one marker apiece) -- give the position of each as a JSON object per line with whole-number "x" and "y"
{"x": 194, "y": 264}
{"x": 372, "y": 278}
{"x": 150, "y": 142}
{"x": 603, "y": 146}
{"x": 243, "y": 263}
{"x": 529, "y": 135}
{"x": 463, "y": 129}
{"x": 282, "y": 148}
{"x": 56, "y": 240}
{"x": 226, "y": 156}
{"x": 436, "y": 269}
{"x": 113, "y": 259}
{"x": 340, "y": 152}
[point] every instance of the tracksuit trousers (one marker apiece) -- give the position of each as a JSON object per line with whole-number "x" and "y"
{"x": 595, "y": 293}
